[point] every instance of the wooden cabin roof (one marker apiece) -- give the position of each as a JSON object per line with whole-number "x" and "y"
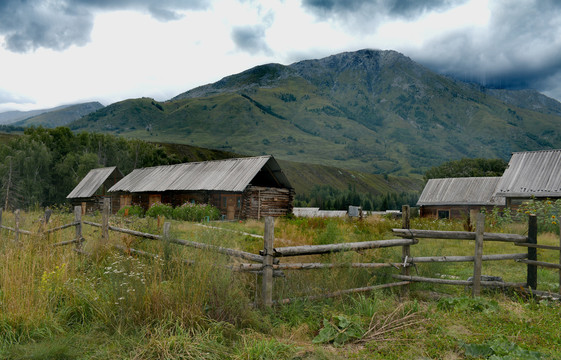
{"x": 461, "y": 191}
{"x": 92, "y": 182}
{"x": 532, "y": 173}
{"x": 221, "y": 175}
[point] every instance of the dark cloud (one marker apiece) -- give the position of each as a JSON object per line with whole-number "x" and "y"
{"x": 251, "y": 39}
{"x": 351, "y": 10}
{"x": 521, "y": 48}
{"x": 28, "y": 25}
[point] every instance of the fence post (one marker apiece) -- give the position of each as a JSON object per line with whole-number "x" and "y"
{"x": 477, "y": 261}
{"x": 105, "y": 220}
{"x": 532, "y": 270}
{"x": 78, "y": 220}
{"x": 16, "y": 215}
{"x": 267, "y": 287}
{"x": 406, "y": 249}
{"x": 1, "y": 210}
{"x": 167, "y": 226}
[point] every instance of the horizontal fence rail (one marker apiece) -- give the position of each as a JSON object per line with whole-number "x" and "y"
{"x": 332, "y": 248}
{"x": 428, "y": 259}
{"x": 231, "y": 252}
{"x": 458, "y": 235}
{"x": 457, "y": 282}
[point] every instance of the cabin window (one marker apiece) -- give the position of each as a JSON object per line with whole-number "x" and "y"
{"x": 444, "y": 214}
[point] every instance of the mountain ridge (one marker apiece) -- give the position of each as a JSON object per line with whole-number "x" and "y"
{"x": 50, "y": 117}
{"x": 369, "y": 110}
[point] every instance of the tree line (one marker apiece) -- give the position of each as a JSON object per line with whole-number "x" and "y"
{"x": 42, "y": 166}
{"x": 327, "y": 197}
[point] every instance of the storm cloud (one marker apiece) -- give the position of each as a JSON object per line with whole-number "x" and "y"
{"x": 29, "y": 25}
{"x": 363, "y": 14}
{"x": 251, "y": 39}
{"x": 520, "y": 48}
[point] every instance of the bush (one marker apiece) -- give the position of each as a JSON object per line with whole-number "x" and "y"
{"x": 159, "y": 209}
{"x": 134, "y": 210}
{"x": 195, "y": 212}
{"x": 547, "y": 211}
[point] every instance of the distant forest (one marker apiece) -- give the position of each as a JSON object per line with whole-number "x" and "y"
{"x": 328, "y": 198}
{"x": 42, "y": 166}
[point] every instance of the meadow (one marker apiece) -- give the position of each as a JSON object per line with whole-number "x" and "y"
{"x": 56, "y": 303}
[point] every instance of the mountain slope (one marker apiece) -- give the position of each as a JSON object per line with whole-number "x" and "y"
{"x": 9, "y": 117}
{"x": 373, "y": 111}
{"x": 60, "y": 117}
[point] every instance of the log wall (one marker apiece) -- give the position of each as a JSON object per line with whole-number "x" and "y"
{"x": 258, "y": 202}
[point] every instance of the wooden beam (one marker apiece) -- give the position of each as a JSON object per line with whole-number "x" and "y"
{"x": 267, "y": 281}
{"x": 541, "y": 263}
{"x": 429, "y": 259}
{"x": 314, "y": 266}
{"x": 477, "y": 262}
{"x": 457, "y": 235}
{"x": 332, "y": 248}
{"x": 538, "y": 246}
{"x": 532, "y": 269}
{"x": 456, "y": 282}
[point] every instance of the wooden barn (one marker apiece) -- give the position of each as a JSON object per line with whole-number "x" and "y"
{"x": 531, "y": 174}
{"x": 89, "y": 193}
{"x": 459, "y": 198}
{"x": 241, "y": 188}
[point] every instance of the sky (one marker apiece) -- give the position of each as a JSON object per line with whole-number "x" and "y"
{"x": 56, "y": 52}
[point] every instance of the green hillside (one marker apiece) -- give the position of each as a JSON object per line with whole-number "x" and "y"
{"x": 374, "y": 111}
{"x": 60, "y": 117}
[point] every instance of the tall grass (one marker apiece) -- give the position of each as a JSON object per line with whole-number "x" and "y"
{"x": 55, "y": 303}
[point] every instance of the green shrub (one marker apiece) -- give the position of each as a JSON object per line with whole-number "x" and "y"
{"x": 547, "y": 212}
{"x": 159, "y": 209}
{"x": 195, "y": 212}
{"x": 134, "y": 210}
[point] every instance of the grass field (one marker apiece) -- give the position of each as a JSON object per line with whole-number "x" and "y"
{"x": 58, "y": 304}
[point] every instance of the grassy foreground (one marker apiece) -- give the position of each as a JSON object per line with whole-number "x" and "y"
{"x": 57, "y": 304}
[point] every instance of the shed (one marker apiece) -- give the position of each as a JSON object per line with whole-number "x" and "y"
{"x": 457, "y": 198}
{"x": 89, "y": 192}
{"x": 531, "y": 174}
{"x": 241, "y": 188}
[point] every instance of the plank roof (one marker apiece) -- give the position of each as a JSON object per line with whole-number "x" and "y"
{"x": 476, "y": 191}
{"x": 220, "y": 175}
{"x": 532, "y": 173}
{"x": 92, "y": 182}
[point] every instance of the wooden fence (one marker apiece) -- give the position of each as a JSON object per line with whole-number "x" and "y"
{"x": 268, "y": 262}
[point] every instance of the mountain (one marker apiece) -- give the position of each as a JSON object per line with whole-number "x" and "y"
{"x": 60, "y": 116}
{"x": 528, "y": 99}
{"x": 374, "y": 111}
{"x": 9, "y": 117}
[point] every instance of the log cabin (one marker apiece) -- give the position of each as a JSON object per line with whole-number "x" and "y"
{"x": 90, "y": 192}
{"x": 242, "y": 188}
{"x": 459, "y": 198}
{"x": 531, "y": 175}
